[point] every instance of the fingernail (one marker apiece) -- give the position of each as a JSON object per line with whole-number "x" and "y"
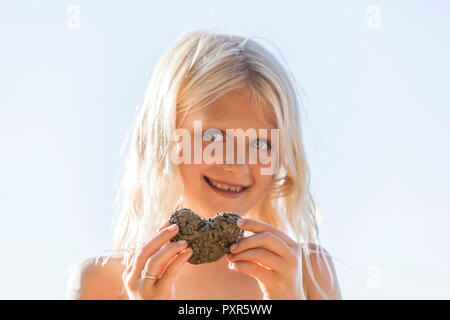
{"x": 162, "y": 224}
{"x": 181, "y": 242}
{"x": 233, "y": 247}
{"x": 172, "y": 227}
{"x": 240, "y": 222}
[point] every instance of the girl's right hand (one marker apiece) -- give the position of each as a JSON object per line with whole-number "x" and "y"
{"x": 161, "y": 258}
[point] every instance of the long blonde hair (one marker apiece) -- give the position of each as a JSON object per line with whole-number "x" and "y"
{"x": 198, "y": 68}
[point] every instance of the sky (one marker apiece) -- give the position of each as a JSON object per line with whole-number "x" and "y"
{"x": 375, "y": 77}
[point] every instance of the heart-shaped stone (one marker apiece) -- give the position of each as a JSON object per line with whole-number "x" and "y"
{"x": 210, "y": 239}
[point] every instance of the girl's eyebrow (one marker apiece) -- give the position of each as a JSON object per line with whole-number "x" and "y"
{"x": 219, "y": 124}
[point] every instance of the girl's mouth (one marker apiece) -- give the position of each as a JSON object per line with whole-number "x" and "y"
{"x": 225, "y": 189}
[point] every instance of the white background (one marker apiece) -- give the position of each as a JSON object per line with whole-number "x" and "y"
{"x": 376, "y": 129}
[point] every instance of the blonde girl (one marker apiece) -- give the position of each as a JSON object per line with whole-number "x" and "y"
{"x": 227, "y": 83}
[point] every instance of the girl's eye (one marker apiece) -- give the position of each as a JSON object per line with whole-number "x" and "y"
{"x": 260, "y": 144}
{"x": 213, "y": 135}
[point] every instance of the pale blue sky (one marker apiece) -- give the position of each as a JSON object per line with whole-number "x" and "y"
{"x": 376, "y": 134}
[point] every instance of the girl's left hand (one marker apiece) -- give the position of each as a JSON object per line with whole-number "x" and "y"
{"x": 272, "y": 258}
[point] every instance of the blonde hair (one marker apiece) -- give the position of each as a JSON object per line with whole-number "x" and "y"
{"x": 198, "y": 68}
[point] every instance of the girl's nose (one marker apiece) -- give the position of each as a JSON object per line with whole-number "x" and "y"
{"x": 236, "y": 152}
{"x": 237, "y": 169}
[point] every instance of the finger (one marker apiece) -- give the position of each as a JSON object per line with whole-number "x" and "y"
{"x": 170, "y": 273}
{"x": 259, "y": 256}
{"x": 255, "y": 271}
{"x": 131, "y": 261}
{"x": 266, "y": 240}
{"x": 158, "y": 261}
{"x": 256, "y": 226}
{"x": 130, "y": 264}
{"x": 149, "y": 248}
{"x": 164, "y": 225}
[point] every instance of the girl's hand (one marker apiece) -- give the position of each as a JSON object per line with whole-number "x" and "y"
{"x": 272, "y": 258}
{"x": 160, "y": 258}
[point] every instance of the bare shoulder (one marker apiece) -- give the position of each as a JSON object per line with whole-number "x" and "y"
{"x": 319, "y": 275}
{"x": 97, "y": 278}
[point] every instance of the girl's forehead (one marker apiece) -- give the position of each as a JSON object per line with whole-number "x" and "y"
{"x": 231, "y": 117}
{"x": 232, "y": 110}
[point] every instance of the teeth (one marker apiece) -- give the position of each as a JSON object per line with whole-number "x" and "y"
{"x": 224, "y": 187}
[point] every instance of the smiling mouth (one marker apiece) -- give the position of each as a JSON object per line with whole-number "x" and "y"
{"x": 233, "y": 189}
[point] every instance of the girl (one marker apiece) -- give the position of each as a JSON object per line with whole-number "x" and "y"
{"x": 225, "y": 84}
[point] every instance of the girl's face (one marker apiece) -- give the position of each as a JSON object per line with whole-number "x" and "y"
{"x": 203, "y": 183}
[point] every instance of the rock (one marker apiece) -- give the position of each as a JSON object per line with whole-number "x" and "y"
{"x": 210, "y": 239}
